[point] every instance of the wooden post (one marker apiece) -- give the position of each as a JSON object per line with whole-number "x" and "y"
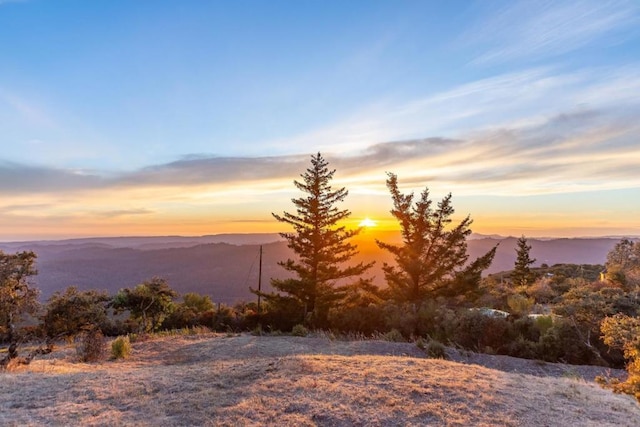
{"x": 259, "y": 279}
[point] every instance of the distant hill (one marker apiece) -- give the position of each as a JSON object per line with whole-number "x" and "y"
{"x": 225, "y": 266}
{"x": 148, "y": 242}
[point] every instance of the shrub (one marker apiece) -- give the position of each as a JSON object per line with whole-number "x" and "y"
{"x": 476, "y": 331}
{"x": 624, "y": 332}
{"x": 299, "y": 331}
{"x": 436, "y": 350}
{"x": 393, "y": 335}
{"x": 543, "y": 323}
{"x": 523, "y": 348}
{"x": 120, "y": 348}
{"x": 562, "y": 342}
{"x": 366, "y": 320}
{"x": 519, "y": 304}
{"x": 257, "y": 331}
{"x": 421, "y": 320}
{"x": 90, "y": 346}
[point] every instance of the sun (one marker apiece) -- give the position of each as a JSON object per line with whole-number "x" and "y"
{"x": 367, "y": 223}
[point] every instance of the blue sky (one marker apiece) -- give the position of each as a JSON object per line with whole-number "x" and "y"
{"x": 193, "y": 117}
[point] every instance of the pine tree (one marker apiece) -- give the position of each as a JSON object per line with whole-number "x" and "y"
{"x": 522, "y": 275}
{"x": 430, "y": 262}
{"x": 321, "y": 246}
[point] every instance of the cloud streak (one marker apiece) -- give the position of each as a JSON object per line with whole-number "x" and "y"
{"x": 531, "y": 30}
{"x": 580, "y": 151}
{"x": 508, "y": 140}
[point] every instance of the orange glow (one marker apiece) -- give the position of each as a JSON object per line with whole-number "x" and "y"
{"x": 367, "y": 222}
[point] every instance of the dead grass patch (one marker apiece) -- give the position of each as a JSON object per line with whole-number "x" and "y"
{"x": 249, "y": 380}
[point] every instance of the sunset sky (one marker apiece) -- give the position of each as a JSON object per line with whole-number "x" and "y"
{"x": 194, "y": 117}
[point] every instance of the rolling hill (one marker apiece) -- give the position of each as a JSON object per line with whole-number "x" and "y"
{"x": 225, "y": 266}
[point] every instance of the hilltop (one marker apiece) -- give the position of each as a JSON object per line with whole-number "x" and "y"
{"x": 248, "y": 380}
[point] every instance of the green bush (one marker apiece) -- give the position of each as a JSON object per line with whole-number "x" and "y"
{"x": 563, "y": 343}
{"x": 366, "y": 320}
{"x": 415, "y": 320}
{"x": 523, "y": 348}
{"x": 476, "y": 331}
{"x": 299, "y": 331}
{"x": 393, "y": 335}
{"x": 543, "y": 323}
{"x": 120, "y": 348}
{"x": 436, "y": 350}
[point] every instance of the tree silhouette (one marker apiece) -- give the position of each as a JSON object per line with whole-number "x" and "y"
{"x": 72, "y": 311}
{"x": 321, "y": 246}
{"x": 522, "y": 275}
{"x": 430, "y": 261}
{"x": 150, "y": 302}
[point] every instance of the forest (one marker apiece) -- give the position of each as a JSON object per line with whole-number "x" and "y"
{"x": 434, "y": 296}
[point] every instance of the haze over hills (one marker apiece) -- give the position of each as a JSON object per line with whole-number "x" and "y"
{"x": 225, "y": 266}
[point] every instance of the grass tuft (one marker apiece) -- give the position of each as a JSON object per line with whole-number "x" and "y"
{"x": 120, "y": 348}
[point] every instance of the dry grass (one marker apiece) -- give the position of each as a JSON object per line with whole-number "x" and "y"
{"x": 248, "y": 380}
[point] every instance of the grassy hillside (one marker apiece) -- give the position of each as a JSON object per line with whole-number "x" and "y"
{"x": 247, "y": 380}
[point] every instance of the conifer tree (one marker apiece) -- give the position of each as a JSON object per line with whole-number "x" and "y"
{"x": 430, "y": 261}
{"x": 522, "y": 275}
{"x": 321, "y": 246}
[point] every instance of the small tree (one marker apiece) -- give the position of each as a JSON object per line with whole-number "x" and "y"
{"x": 430, "y": 262}
{"x": 585, "y": 307}
{"x": 623, "y": 332}
{"x": 321, "y": 246}
{"x": 74, "y": 311}
{"x": 149, "y": 303}
{"x": 522, "y": 275}
{"x": 190, "y": 312}
{"x": 17, "y": 296}
{"x": 623, "y": 265}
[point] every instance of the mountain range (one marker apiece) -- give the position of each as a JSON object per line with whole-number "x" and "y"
{"x": 225, "y": 266}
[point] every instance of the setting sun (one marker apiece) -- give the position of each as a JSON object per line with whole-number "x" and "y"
{"x": 367, "y": 223}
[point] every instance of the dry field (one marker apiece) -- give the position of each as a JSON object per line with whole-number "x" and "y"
{"x": 248, "y": 380}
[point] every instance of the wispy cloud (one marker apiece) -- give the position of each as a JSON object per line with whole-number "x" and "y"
{"x": 17, "y": 178}
{"x": 124, "y": 212}
{"x": 27, "y": 110}
{"x": 580, "y": 151}
{"x": 506, "y": 101}
{"x": 528, "y": 29}
{"x": 500, "y": 135}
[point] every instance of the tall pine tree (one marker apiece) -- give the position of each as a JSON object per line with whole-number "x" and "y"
{"x": 522, "y": 275}
{"x": 431, "y": 260}
{"x": 321, "y": 246}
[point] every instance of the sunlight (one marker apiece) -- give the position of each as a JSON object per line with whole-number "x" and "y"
{"x": 367, "y": 223}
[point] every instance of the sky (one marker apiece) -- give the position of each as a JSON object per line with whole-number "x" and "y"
{"x": 194, "y": 117}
